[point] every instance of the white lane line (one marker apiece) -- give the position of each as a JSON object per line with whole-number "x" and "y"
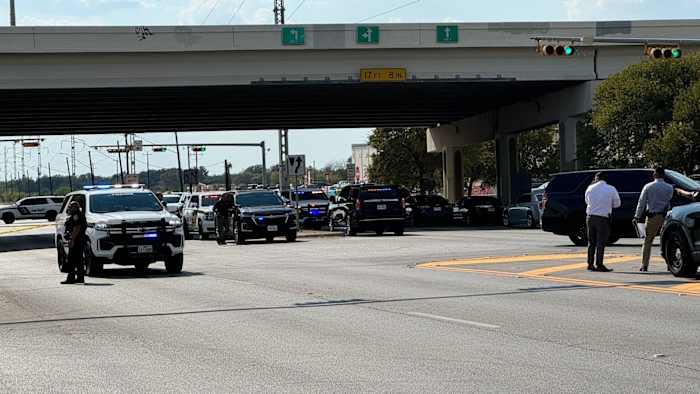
{"x": 453, "y": 320}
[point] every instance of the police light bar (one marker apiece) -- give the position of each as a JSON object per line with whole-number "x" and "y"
{"x": 118, "y": 186}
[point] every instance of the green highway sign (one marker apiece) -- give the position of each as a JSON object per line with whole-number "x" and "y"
{"x": 293, "y": 36}
{"x": 447, "y": 34}
{"x": 368, "y": 34}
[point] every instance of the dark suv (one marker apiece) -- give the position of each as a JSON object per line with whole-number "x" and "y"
{"x": 565, "y": 206}
{"x": 263, "y": 214}
{"x": 375, "y": 208}
{"x": 680, "y": 240}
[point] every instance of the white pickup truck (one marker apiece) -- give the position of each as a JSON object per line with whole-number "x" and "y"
{"x": 40, "y": 207}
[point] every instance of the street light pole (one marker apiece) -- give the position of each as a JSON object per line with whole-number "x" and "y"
{"x": 13, "y": 21}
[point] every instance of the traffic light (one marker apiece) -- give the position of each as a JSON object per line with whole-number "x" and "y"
{"x": 663, "y": 52}
{"x": 549, "y": 49}
{"x": 159, "y": 149}
{"x": 199, "y": 148}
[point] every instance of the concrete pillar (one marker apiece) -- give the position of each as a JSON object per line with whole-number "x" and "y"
{"x": 568, "y": 143}
{"x": 507, "y": 167}
{"x": 453, "y": 173}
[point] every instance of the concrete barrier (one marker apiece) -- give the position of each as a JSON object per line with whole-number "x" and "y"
{"x": 26, "y": 242}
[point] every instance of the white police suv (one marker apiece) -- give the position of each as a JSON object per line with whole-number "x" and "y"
{"x": 126, "y": 225}
{"x": 39, "y": 207}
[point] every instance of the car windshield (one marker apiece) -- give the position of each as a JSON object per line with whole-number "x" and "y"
{"x": 119, "y": 202}
{"x": 311, "y": 195}
{"x": 683, "y": 181}
{"x": 210, "y": 199}
{"x": 171, "y": 199}
{"x": 258, "y": 199}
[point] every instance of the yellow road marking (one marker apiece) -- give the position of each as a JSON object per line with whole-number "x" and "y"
{"x": 571, "y": 267}
{"x": 506, "y": 259}
{"x": 692, "y": 287}
{"x": 24, "y": 228}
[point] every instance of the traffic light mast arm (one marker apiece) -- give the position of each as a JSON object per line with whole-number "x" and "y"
{"x": 648, "y": 40}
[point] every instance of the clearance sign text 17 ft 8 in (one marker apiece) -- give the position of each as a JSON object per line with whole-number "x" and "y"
{"x": 382, "y": 74}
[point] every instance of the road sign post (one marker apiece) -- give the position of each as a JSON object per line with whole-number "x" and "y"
{"x": 368, "y": 34}
{"x": 447, "y": 34}
{"x": 296, "y": 165}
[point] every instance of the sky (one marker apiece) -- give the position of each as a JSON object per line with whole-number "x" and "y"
{"x": 320, "y": 146}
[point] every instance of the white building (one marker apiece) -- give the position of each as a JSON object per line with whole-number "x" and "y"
{"x": 362, "y": 158}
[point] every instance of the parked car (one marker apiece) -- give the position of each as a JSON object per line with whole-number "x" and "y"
{"x": 478, "y": 210}
{"x": 565, "y": 207}
{"x": 40, "y": 207}
{"x": 428, "y": 210}
{"x": 526, "y": 211}
{"x": 126, "y": 226}
{"x": 263, "y": 215}
{"x": 313, "y": 206}
{"x": 198, "y": 214}
{"x": 680, "y": 240}
{"x": 175, "y": 202}
{"x": 370, "y": 207}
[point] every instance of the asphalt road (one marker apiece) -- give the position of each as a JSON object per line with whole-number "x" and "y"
{"x": 361, "y": 314}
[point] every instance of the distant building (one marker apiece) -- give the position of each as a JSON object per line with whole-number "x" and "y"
{"x": 362, "y": 158}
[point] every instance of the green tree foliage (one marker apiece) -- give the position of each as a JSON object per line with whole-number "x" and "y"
{"x": 539, "y": 152}
{"x": 402, "y": 158}
{"x": 636, "y": 105}
{"x": 479, "y": 164}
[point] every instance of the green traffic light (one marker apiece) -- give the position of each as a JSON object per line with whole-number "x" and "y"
{"x": 676, "y": 53}
{"x": 569, "y": 51}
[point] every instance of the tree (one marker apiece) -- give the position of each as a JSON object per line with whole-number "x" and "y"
{"x": 479, "y": 164}
{"x": 637, "y": 104}
{"x": 402, "y": 158}
{"x": 539, "y": 152}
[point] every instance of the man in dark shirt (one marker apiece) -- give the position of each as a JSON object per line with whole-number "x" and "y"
{"x": 223, "y": 208}
{"x": 75, "y": 232}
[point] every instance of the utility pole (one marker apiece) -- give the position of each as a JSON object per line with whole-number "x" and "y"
{"x": 13, "y": 21}
{"x": 5, "y": 169}
{"x": 189, "y": 167}
{"x": 264, "y": 164}
{"x": 121, "y": 169}
{"x": 50, "y": 180}
{"x": 227, "y": 178}
{"x": 148, "y": 171}
{"x": 92, "y": 169}
{"x": 126, "y": 153}
{"x": 72, "y": 153}
{"x": 38, "y": 173}
{"x": 70, "y": 179}
{"x": 283, "y": 133}
{"x": 179, "y": 164}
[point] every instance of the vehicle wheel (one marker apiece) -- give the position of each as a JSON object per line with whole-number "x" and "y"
{"x": 8, "y": 218}
{"x": 51, "y": 216}
{"x": 61, "y": 258}
{"x": 291, "y": 237}
{"x": 398, "y": 230}
{"x": 506, "y": 221}
{"x": 92, "y": 266}
{"x": 531, "y": 221}
{"x": 678, "y": 257}
{"x": 580, "y": 235}
{"x": 379, "y": 231}
{"x": 238, "y": 235}
{"x": 612, "y": 239}
{"x": 141, "y": 268}
{"x": 173, "y": 265}
{"x": 269, "y": 239}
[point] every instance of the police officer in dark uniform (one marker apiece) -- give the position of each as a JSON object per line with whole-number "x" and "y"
{"x": 75, "y": 232}
{"x": 224, "y": 208}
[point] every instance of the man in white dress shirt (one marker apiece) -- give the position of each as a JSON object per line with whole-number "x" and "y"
{"x": 601, "y": 198}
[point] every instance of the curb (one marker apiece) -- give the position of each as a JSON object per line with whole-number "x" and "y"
{"x": 17, "y": 243}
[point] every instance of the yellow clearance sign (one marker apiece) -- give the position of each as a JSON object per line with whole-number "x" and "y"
{"x": 382, "y": 74}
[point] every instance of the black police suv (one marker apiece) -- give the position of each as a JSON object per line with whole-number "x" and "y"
{"x": 313, "y": 206}
{"x": 370, "y": 207}
{"x": 680, "y": 240}
{"x": 565, "y": 206}
{"x": 263, "y": 215}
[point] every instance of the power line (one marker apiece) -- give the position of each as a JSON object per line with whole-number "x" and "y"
{"x": 295, "y": 10}
{"x": 390, "y": 11}
{"x": 236, "y": 11}
{"x": 216, "y": 4}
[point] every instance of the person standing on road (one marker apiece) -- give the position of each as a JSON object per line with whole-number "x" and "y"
{"x": 75, "y": 232}
{"x": 601, "y": 198}
{"x": 224, "y": 209}
{"x": 653, "y": 204}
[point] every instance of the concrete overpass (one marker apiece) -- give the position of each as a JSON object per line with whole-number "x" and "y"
{"x": 488, "y": 83}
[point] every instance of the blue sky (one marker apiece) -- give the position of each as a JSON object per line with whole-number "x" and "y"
{"x": 321, "y": 146}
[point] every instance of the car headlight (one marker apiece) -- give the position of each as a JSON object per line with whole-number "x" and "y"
{"x": 175, "y": 223}
{"x": 101, "y": 226}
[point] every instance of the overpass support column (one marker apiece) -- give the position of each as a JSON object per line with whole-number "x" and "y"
{"x": 568, "y": 143}
{"x": 453, "y": 173}
{"x": 507, "y": 167}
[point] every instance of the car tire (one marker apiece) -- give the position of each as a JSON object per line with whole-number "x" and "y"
{"x": 8, "y": 218}
{"x": 580, "y": 235}
{"x": 678, "y": 257}
{"x": 531, "y": 221}
{"x": 269, "y": 239}
{"x": 238, "y": 235}
{"x": 379, "y": 231}
{"x": 51, "y": 216}
{"x": 141, "y": 268}
{"x": 173, "y": 265}
{"x": 506, "y": 220}
{"x": 92, "y": 266}
{"x": 291, "y": 237}
{"x": 399, "y": 230}
{"x": 61, "y": 257}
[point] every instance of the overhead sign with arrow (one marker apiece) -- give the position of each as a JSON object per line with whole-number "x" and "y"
{"x": 296, "y": 165}
{"x": 368, "y": 34}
